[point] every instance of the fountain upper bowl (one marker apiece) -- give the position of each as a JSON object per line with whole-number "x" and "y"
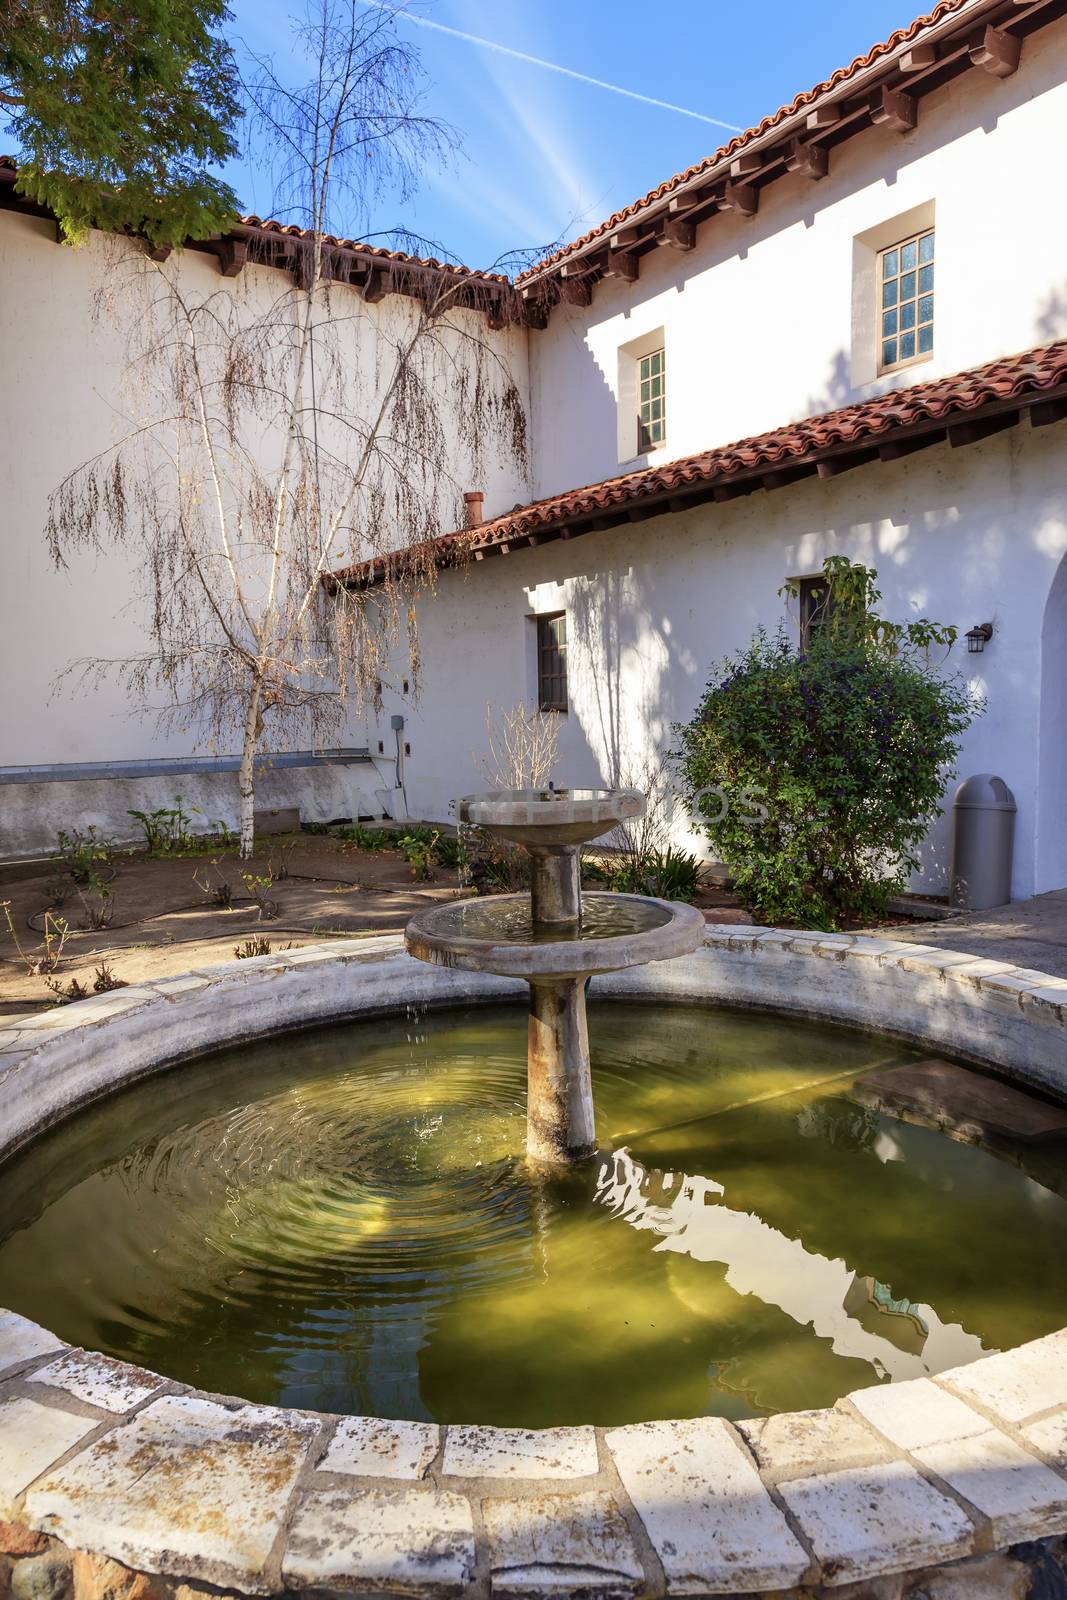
{"x": 653, "y": 930}
{"x": 550, "y": 818}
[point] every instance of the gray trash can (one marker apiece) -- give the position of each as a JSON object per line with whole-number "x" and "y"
{"x": 983, "y": 833}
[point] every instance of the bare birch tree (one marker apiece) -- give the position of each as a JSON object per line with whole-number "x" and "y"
{"x": 275, "y": 433}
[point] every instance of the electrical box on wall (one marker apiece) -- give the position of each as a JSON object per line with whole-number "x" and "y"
{"x": 396, "y": 723}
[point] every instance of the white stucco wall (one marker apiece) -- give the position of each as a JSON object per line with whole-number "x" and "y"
{"x": 62, "y": 401}
{"x": 961, "y": 536}
{"x": 758, "y": 318}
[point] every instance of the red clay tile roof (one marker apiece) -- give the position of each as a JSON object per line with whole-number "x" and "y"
{"x": 994, "y": 393}
{"x": 739, "y": 141}
{"x": 375, "y": 250}
{"x": 259, "y": 226}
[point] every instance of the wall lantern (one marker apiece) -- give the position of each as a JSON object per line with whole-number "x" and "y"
{"x": 978, "y": 637}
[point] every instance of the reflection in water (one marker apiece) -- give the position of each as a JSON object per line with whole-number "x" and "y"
{"x": 827, "y": 1296}
{"x": 344, "y": 1221}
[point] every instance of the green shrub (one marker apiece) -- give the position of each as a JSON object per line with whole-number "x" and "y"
{"x": 668, "y": 874}
{"x": 816, "y": 774}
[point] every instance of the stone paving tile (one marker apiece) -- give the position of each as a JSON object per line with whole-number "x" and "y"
{"x": 31, "y": 1438}
{"x": 1022, "y": 1498}
{"x": 868, "y": 1520}
{"x": 1019, "y": 1383}
{"x": 404, "y": 1540}
{"x": 99, "y": 1380}
{"x": 520, "y": 1453}
{"x": 21, "y": 1340}
{"x": 371, "y": 1448}
{"x": 1050, "y": 1437}
{"x": 188, "y": 1488}
{"x": 798, "y": 1442}
{"x": 917, "y": 1413}
{"x": 712, "y": 1522}
{"x": 556, "y": 1545}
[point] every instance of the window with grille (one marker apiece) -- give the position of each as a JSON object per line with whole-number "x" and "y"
{"x": 816, "y": 604}
{"x": 552, "y": 662}
{"x": 651, "y": 416}
{"x": 906, "y": 275}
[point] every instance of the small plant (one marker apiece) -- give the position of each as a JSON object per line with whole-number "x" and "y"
{"x": 98, "y": 903}
{"x": 166, "y": 830}
{"x": 315, "y": 827}
{"x": 257, "y": 885}
{"x": 65, "y": 995}
{"x": 284, "y": 868}
{"x": 496, "y": 867}
{"x": 54, "y": 937}
{"x": 105, "y": 980}
{"x": 370, "y": 839}
{"x": 81, "y": 854}
{"x": 668, "y": 874}
{"x": 256, "y": 947}
{"x": 419, "y": 849}
{"x": 450, "y": 852}
{"x": 219, "y": 890}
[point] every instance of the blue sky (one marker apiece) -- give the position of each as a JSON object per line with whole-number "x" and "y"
{"x": 545, "y": 156}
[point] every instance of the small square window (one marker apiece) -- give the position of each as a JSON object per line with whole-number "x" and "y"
{"x": 552, "y": 662}
{"x": 651, "y": 402}
{"x": 907, "y": 279}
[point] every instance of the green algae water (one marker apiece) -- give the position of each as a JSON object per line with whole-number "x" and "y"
{"x": 343, "y": 1220}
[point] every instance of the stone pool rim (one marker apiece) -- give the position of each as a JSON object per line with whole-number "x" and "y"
{"x": 892, "y": 1479}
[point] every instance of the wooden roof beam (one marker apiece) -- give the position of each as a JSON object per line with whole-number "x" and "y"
{"x": 996, "y": 52}
{"x": 892, "y": 108}
{"x": 623, "y": 238}
{"x": 748, "y": 162}
{"x": 1046, "y": 411}
{"x": 740, "y": 197}
{"x": 233, "y": 256}
{"x": 576, "y": 291}
{"x": 375, "y": 285}
{"x": 962, "y": 433}
{"x": 918, "y": 58}
{"x": 677, "y": 235}
{"x": 823, "y": 116}
{"x": 810, "y": 160}
{"x": 622, "y": 264}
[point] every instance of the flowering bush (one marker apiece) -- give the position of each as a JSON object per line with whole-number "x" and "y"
{"x": 816, "y": 774}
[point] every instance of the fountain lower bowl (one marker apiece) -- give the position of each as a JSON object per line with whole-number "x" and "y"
{"x": 655, "y": 930}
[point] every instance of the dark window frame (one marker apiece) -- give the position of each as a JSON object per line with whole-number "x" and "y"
{"x": 551, "y": 647}
{"x": 816, "y": 602}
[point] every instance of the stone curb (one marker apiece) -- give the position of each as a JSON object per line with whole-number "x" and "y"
{"x": 128, "y": 1466}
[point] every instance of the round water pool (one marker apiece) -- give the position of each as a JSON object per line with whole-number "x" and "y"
{"x": 343, "y": 1220}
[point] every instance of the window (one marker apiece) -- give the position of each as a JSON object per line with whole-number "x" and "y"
{"x": 552, "y": 662}
{"x": 816, "y": 604}
{"x": 651, "y": 418}
{"x": 906, "y": 278}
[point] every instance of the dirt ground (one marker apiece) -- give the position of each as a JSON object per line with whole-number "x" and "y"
{"x": 165, "y": 916}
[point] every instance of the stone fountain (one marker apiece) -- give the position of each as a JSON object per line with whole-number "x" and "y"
{"x": 555, "y": 938}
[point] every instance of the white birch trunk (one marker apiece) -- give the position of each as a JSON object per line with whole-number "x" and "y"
{"x": 246, "y": 775}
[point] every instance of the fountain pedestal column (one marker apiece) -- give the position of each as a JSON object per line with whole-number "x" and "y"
{"x": 555, "y": 887}
{"x": 556, "y": 955}
{"x": 559, "y": 1106}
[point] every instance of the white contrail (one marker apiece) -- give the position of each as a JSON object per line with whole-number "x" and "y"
{"x": 550, "y": 66}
